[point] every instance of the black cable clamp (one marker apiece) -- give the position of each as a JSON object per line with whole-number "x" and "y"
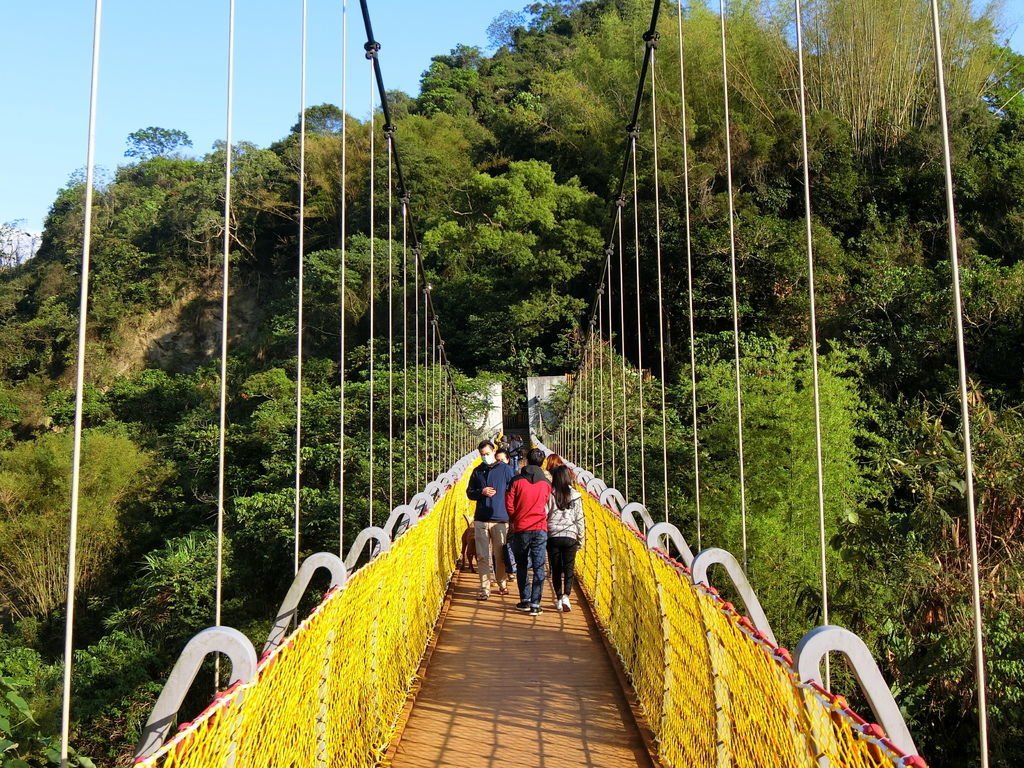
{"x": 389, "y": 129}
{"x": 372, "y": 48}
{"x": 404, "y": 200}
{"x": 620, "y": 201}
{"x": 651, "y": 38}
{"x": 609, "y": 252}
{"x": 632, "y": 131}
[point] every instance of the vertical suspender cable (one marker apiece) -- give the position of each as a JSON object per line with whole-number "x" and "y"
{"x": 76, "y": 453}
{"x": 405, "y": 343}
{"x": 302, "y": 256}
{"x": 735, "y": 297}
{"x": 389, "y": 129}
{"x": 341, "y": 279}
{"x": 965, "y": 413}
{"x": 416, "y": 354}
{"x": 622, "y": 344}
{"x": 639, "y": 327}
{"x": 689, "y": 280}
{"x": 426, "y": 381}
{"x": 371, "y": 54}
{"x": 611, "y": 374}
{"x": 434, "y": 392}
{"x": 600, "y": 387}
{"x": 653, "y": 42}
{"x": 222, "y": 433}
{"x": 595, "y": 413}
{"x": 814, "y": 329}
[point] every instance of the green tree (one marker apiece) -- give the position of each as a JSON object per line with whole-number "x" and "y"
{"x": 147, "y": 143}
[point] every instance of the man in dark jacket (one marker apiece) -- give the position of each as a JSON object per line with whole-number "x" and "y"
{"x": 487, "y": 487}
{"x": 527, "y": 505}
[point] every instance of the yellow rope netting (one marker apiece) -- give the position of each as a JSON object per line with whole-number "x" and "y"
{"x": 333, "y": 692}
{"x": 713, "y": 692}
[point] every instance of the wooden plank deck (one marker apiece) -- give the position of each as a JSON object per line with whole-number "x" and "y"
{"x": 507, "y": 689}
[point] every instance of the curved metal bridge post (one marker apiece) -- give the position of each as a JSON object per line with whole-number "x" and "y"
{"x": 821, "y": 640}
{"x": 339, "y": 575}
{"x": 713, "y": 555}
{"x": 372, "y": 533}
{"x": 225, "y": 640}
{"x": 656, "y": 539}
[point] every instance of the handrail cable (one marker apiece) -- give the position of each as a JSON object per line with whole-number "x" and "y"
{"x": 342, "y": 277}
{"x": 302, "y": 256}
{"x": 689, "y": 279}
{"x": 76, "y": 452}
{"x": 819, "y": 462}
{"x": 965, "y": 413}
{"x": 735, "y": 296}
{"x": 653, "y": 42}
{"x": 222, "y": 430}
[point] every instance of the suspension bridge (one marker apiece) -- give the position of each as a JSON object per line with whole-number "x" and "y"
{"x": 399, "y": 665}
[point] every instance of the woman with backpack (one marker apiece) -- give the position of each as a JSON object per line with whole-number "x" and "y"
{"x": 565, "y": 533}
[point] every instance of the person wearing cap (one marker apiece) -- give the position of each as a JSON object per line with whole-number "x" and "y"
{"x": 488, "y": 485}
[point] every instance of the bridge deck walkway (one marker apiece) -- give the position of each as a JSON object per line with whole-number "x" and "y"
{"x": 507, "y": 689}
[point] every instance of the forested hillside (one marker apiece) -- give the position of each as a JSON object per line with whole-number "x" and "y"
{"x": 511, "y": 158}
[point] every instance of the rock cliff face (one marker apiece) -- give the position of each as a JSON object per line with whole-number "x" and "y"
{"x": 186, "y": 334}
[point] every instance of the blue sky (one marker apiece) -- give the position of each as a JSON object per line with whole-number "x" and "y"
{"x": 164, "y": 64}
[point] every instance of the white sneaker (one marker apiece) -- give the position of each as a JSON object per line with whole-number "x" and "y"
{"x": 558, "y": 603}
{"x": 565, "y": 604}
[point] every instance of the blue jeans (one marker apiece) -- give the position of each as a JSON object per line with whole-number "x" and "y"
{"x": 529, "y": 549}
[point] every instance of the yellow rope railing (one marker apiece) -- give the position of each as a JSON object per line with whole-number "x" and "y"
{"x": 332, "y": 693}
{"x": 713, "y": 690}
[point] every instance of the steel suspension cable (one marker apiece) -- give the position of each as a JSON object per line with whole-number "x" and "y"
{"x": 965, "y": 413}
{"x": 629, "y": 151}
{"x": 341, "y": 278}
{"x": 735, "y": 295}
{"x": 222, "y": 431}
{"x": 653, "y": 42}
{"x": 373, "y": 47}
{"x": 819, "y": 462}
{"x": 76, "y": 451}
{"x": 371, "y": 54}
{"x": 639, "y": 326}
{"x": 389, "y": 130}
{"x": 689, "y": 280}
{"x": 302, "y": 266}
